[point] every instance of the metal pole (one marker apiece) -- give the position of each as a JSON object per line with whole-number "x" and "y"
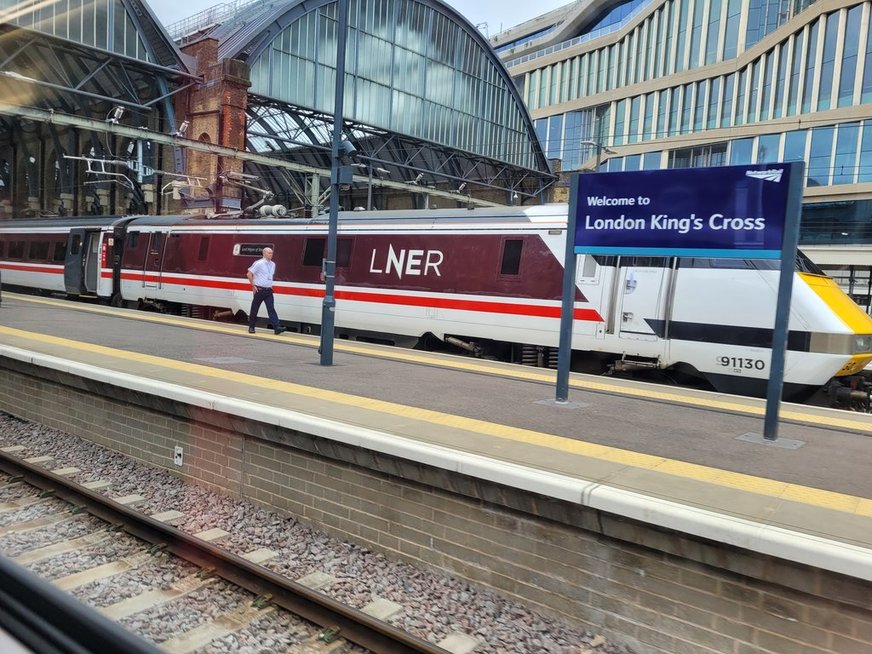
{"x": 328, "y": 309}
{"x": 369, "y": 190}
{"x": 564, "y": 351}
{"x": 599, "y": 155}
{"x": 789, "y": 243}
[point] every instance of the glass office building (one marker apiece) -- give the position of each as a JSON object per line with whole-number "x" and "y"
{"x": 681, "y": 83}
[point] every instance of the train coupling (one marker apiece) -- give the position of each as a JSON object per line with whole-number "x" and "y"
{"x": 853, "y": 392}
{"x": 472, "y": 348}
{"x": 629, "y": 363}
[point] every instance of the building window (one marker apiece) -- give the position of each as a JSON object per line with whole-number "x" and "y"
{"x": 848, "y": 64}
{"x": 711, "y": 41}
{"x": 766, "y": 86}
{"x": 820, "y": 157}
{"x": 674, "y": 107}
{"x": 739, "y": 115}
{"x": 699, "y": 109}
{"x": 794, "y": 145}
{"x": 698, "y": 157}
{"x": 767, "y": 148}
{"x": 620, "y": 125}
{"x": 795, "y": 75}
{"x": 845, "y": 163}
{"x": 778, "y": 110}
{"x": 714, "y": 103}
{"x": 810, "y": 54}
{"x": 731, "y": 35}
{"x": 864, "y": 171}
{"x": 696, "y": 32}
{"x": 634, "y": 120}
{"x": 686, "y": 108}
{"x": 740, "y": 151}
{"x": 828, "y": 62}
{"x": 651, "y": 161}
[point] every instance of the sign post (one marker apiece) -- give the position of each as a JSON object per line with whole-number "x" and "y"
{"x": 564, "y": 348}
{"x": 738, "y": 212}
{"x": 782, "y": 309}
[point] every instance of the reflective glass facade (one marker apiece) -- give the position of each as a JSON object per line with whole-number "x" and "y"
{"x": 410, "y": 68}
{"x": 821, "y": 64}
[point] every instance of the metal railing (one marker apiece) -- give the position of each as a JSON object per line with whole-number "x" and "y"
{"x": 590, "y": 36}
{"x": 216, "y": 14}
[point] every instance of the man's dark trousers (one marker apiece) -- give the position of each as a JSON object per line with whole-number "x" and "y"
{"x": 263, "y": 295}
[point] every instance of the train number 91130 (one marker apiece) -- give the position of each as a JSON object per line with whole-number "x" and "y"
{"x": 741, "y": 363}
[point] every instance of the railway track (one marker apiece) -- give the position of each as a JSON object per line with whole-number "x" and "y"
{"x": 32, "y": 498}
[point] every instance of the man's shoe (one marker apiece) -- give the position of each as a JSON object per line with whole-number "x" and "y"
{"x": 250, "y": 330}
{"x": 279, "y": 330}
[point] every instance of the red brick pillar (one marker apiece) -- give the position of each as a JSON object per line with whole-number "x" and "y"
{"x": 216, "y": 114}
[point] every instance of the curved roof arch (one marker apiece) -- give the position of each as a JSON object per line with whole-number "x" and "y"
{"x": 415, "y": 67}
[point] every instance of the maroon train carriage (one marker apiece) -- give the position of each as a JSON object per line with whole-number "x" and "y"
{"x": 488, "y": 281}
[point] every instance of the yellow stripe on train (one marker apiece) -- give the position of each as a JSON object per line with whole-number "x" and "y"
{"x": 857, "y": 320}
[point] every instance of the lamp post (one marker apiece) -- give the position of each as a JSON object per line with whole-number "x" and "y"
{"x": 600, "y": 148}
{"x": 328, "y": 308}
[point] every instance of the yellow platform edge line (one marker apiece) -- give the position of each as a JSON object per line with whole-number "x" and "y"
{"x": 760, "y": 485}
{"x": 409, "y": 356}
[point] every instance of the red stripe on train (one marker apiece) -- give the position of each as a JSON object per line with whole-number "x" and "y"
{"x": 484, "y": 306}
{"x": 55, "y": 270}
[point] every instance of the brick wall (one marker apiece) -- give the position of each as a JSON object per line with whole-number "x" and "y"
{"x": 657, "y": 591}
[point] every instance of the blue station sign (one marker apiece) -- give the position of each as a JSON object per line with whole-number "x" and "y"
{"x": 725, "y": 212}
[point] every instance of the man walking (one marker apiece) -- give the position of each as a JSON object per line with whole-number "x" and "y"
{"x": 260, "y": 276}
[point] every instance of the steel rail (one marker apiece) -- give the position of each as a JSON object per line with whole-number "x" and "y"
{"x": 343, "y": 621}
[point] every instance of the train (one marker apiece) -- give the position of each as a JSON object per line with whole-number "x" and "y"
{"x": 487, "y": 282}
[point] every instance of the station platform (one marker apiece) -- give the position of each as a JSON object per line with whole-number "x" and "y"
{"x": 677, "y": 458}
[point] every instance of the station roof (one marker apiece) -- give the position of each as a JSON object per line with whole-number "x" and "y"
{"x": 427, "y": 100}
{"x": 88, "y": 61}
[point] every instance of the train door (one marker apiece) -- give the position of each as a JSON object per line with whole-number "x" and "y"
{"x": 591, "y": 279}
{"x": 154, "y": 259}
{"x": 642, "y": 297}
{"x": 82, "y": 261}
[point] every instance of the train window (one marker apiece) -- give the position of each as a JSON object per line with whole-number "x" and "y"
{"x": 646, "y": 262}
{"x": 133, "y": 240}
{"x": 38, "y": 251}
{"x": 806, "y": 265}
{"x": 156, "y": 242}
{"x": 605, "y": 261}
{"x": 60, "y": 251}
{"x": 76, "y": 246}
{"x": 588, "y": 266}
{"x": 729, "y": 264}
{"x": 313, "y": 254}
{"x": 511, "y": 264}
{"x": 204, "y": 248}
{"x": 343, "y": 252}
{"x": 16, "y": 249}
{"x": 2, "y": 249}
